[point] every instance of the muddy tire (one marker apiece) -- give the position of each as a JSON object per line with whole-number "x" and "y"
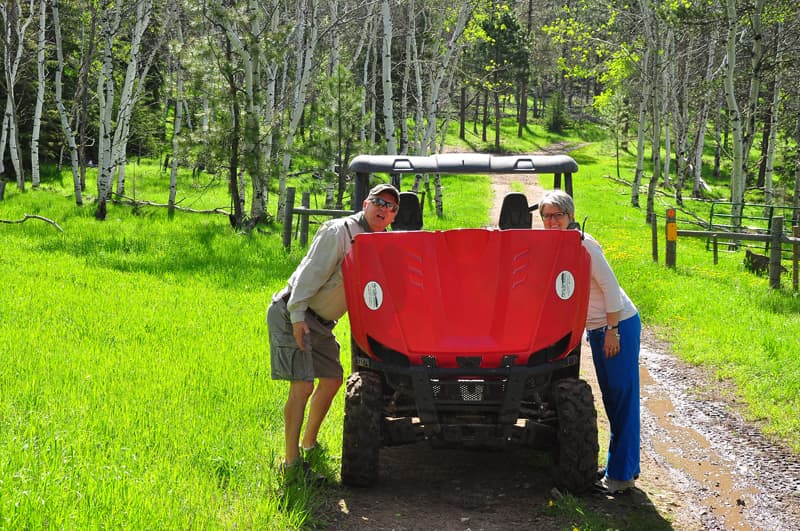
{"x": 361, "y": 439}
{"x": 576, "y": 456}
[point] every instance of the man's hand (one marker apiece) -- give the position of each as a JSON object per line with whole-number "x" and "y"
{"x": 300, "y": 330}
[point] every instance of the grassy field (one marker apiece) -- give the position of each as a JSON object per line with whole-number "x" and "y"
{"x": 134, "y": 384}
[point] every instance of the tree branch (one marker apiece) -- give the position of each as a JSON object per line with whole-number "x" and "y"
{"x": 135, "y": 202}
{"x": 33, "y": 216}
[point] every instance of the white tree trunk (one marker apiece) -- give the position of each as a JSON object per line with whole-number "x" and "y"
{"x": 15, "y": 26}
{"x": 271, "y": 73}
{"x": 366, "y": 43}
{"x": 737, "y": 173}
{"x": 386, "y": 79}
{"x": 176, "y": 129}
{"x": 642, "y": 128}
{"x": 773, "y": 129}
{"x": 702, "y": 118}
{"x": 105, "y": 102}
{"x": 134, "y": 76}
{"x": 62, "y": 112}
{"x": 419, "y": 113}
{"x": 37, "y": 112}
{"x": 670, "y": 108}
{"x": 249, "y": 54}
{"x": 440, "y": 70}
{"x": 305, "y": 46}
{"x": 756, "y": 72}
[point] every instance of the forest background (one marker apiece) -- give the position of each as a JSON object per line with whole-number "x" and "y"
{"x": 258, "y": 92}
{"x": 133, "y": 377}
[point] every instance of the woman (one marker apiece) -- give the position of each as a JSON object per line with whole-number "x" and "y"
{"x": 613, "y": 329}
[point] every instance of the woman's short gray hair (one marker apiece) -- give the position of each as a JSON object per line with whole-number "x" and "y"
{"x": 560, "y": 199}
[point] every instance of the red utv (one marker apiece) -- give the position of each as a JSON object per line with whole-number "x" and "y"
{"x": 468, "y": 337}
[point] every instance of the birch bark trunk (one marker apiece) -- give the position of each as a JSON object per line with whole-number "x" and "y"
{"x": 69, "y": 134}
{"x": 735, "y": 117}
{"x": 653, "y": 36}
{"x": 702, "y": 117}
{"x": 15, "y": 26}
{"x": 773, "y": 124}
{"x": 306, "y": 37}
{"x": 247, "y": 49}
{"x": 386, "y": 79}
{"x": 642, "y": 129}
{"x": 176, "y": 129}
{"x": 109, "y": 24}
{"x": 135, "y": 74}
{"x": 439, "y": 71}
{"x": 115, "y": 126}
{"x": 40, "y": 86}
{"x": 750, "y": 114}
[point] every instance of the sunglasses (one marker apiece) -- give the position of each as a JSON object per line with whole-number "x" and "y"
{"x": 383, "y": 203}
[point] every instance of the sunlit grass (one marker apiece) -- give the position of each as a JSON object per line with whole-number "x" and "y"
{"x": 135, "y": 387}
{"x": 135, "y": 381}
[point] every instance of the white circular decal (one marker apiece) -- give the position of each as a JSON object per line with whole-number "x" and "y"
{"x": 373, "y": 295}
{"x": 565, "y": 285}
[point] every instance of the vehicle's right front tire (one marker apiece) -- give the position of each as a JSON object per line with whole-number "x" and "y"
{"x": 577, "y": 434}
{"x": 361, "y": 439}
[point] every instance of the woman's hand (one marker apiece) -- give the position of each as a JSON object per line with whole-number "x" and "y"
{"x": 611, "y": 346}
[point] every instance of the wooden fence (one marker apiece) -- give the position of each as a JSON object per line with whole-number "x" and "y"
{"x": 776, "y": 238}
{"x": 303, "y": 212}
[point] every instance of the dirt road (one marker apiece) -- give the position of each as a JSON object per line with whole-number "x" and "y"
{"x": 703, "y": 467}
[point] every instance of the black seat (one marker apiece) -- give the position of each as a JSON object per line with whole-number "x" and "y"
{"x": 515, "y": 213}
{"x": 409, "y": 217}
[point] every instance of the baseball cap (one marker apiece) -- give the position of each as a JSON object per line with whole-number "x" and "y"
{"x": 384, "y": 187}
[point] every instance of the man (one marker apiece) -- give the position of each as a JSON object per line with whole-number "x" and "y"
{"x": 301, "y": 318}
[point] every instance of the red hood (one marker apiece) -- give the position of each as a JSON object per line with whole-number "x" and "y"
{"x": 468, "y": 292}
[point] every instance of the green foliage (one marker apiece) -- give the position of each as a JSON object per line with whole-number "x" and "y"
{"x": 557, "y": 120}
{"x": 336, "y": 121}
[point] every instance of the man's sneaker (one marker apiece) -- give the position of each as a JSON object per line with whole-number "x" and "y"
{"x": 615, "y": 486}
{"x": 300, "y": 472}
{"x": 314, "y": 456}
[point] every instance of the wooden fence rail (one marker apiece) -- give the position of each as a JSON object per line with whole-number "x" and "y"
{"x": 303, "y": 212}
{"x": 776, "y": 239}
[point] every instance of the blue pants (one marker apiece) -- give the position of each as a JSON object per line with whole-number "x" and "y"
{"x": 619, "y": 383}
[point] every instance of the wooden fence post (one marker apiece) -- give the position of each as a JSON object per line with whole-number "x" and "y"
{"x": 306, "y": 202}
{"x": 672, "y": 238}
{"x": 715, "y": 245}
{"x": 776, "y": 247}
{"x": 288, "y": 212}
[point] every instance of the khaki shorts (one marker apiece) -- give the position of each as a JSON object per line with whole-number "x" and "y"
{"x": 288, "y": 361}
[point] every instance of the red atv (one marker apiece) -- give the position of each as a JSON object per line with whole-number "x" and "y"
{"x": 468, "y": 337}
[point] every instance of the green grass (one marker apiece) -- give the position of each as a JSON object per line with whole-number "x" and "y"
{"x": 135, "y": 381}
{"x": 134, "y": 384}
{"x": 135, "y": 387}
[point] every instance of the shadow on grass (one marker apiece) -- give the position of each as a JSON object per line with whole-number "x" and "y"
{"x": 180, "y": 251}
